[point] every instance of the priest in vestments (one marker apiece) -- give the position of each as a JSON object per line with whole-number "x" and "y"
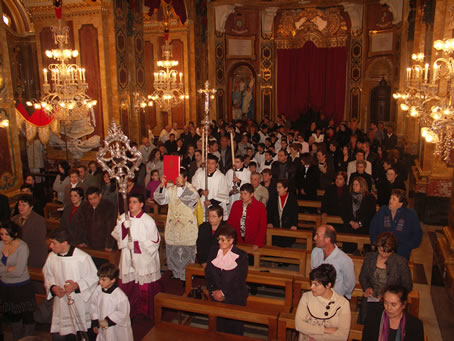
{"x": 138, "y": 239}
{"x": 218, "y": 191}
{"x": 69, "y": 271}
{"x": 181, "y": 226}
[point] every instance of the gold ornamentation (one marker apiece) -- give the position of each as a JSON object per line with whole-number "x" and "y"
{"x": 324, "y": 27}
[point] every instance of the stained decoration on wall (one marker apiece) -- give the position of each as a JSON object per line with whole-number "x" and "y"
{"x": 324, "y": 27}
{"x": 239, "y": 23}
{"x": 243, "y": 90}
{"x": 178, "y": 6}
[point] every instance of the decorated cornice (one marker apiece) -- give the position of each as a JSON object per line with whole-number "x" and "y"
{"x": 43, "y": 9}
{"x": 324, "y": 27}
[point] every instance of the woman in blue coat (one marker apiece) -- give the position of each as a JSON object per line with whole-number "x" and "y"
{"x": 401, "y": 221}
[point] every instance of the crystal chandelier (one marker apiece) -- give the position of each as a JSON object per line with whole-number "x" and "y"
{"x": 429, "y": 96}
{"x": 65, "y": 95}
{"x": 168, "y": 83}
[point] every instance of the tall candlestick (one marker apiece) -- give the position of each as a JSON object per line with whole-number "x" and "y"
{"x": 181, "y": 77}
{"x": 45, "y": 75}
{"x": 426, "y": 72}
{"x": 232, "y": 146}
{"x": 203, "y": 145}
{"x": 83, "y": 75}
{"x": 408, "y": 73}
{"x": 435, "y": 71}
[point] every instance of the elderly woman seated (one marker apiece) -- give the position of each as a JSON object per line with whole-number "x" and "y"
{"x": 322, "y": 314}
{"x": 380, "y": 269}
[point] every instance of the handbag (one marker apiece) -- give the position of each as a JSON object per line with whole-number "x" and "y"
{"x": 198, "y": 294}
{"x": 362, "y": 311}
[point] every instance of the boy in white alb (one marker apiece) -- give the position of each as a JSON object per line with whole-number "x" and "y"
{"x": 110, "y": 307}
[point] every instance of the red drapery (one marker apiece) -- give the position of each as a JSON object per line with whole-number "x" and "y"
{"x": 312, "y": 78}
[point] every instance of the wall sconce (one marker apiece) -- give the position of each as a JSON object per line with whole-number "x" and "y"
{"x": 4, "y": 121}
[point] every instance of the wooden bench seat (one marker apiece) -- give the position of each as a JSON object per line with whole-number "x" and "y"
{"x": 111, "y": 256}
{"x": 264, "y": 278}
{"x": 302, "y": 236}
{"x": 310, "y": 204}
{"x": 276, "y": 254}
{"x": 164, "y": 330}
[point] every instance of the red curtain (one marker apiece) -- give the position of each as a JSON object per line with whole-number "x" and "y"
{"x": 312, "y": 78}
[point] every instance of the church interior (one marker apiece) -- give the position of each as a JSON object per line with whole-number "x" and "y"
{"x": 149, "y": 65}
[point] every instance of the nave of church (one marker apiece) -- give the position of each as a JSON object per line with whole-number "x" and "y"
{"x": 302, "y": 100}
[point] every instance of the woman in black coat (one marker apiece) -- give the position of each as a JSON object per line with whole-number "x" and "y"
{"x": 225, "y": 274}
{"x": 209, "y": 232}
{"x": 357, "y": 212}
{"x": 334, "y": 195}
{"x": 72, "y": 218}
{"x": 392, "y": 322}
{"x": 283, "y": 213}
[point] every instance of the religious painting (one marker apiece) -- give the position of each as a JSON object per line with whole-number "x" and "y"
{"x": 242, "y": 85}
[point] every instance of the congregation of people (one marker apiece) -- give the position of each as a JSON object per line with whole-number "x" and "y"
{"x": 247, "y": 187}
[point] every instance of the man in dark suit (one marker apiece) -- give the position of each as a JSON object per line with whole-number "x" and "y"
{"x": 390, "y": 140}
{"x": 225, "y": 163}
{"x": 307, "y": 178}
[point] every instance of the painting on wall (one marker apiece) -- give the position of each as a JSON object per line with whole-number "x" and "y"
{"x": 242, "y": 84}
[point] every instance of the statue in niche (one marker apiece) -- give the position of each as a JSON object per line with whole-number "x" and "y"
{"x": 380, "y": 101}
{"x": 242, "y": 85}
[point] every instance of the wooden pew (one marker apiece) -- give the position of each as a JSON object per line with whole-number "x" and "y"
{"x": 160, "y": 219}
{"x": 309, "y": 220}
{"x": 36, "y": 274}
{"x": 287, "y": 321}
{"x": 264, "y": 278}
{"x": 276, "y": 254}
{"x": 310, "y": 204}
{"x": 52, "y": 216}
{"x": 168, "y": 331}
{"x": 111, "y": 256}
{"x": 300, "y": 235}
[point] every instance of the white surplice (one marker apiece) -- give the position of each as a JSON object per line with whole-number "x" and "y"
{"x": 141, "y": 264}
{"x": 245, "y": 177}
{"x": 113, "y": 304}
{"x": 217, "y": 188}
{"x": 78, "y": 267}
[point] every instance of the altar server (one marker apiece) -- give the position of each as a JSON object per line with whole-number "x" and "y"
{"x": 110, "y": 307}
{"x": 218, "y": 191}
{"x": 68, "y": 271}
{"x": 235, "y": 178}
{"x": 138, "y": 239}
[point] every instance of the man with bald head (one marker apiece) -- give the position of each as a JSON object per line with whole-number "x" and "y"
{"x": 326, "y": 251}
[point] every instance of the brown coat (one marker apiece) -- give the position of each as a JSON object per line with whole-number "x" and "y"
{"x": 97, "y": 225}
{"x": 34, "y": 234}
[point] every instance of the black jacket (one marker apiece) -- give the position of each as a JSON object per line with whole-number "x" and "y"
{"x": 231, "y": 282}
{"x": 5, "y": 211}
{"x": 289, "y": 213}
{"x": 330, "y": 201}
{"x": 73, "y": 226}
{"x": 364, "y": 215}
{"x": 307, "y": 180}
{"x": 225, "y": 164}
{"x": 414, "y": 330}
{"x": 206, "y": 240}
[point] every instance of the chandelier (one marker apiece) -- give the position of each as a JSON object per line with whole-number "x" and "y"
{"x": 65, "y": 95}
{"x": 168, "y": 83}
{"x": 429, "y": 96}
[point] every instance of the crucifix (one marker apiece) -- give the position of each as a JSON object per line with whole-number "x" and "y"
{"x": 208, "y": 94}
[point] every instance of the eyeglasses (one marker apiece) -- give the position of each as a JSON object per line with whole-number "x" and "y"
{"x": 220, "y": 239}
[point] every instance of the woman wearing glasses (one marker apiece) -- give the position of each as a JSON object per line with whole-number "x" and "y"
{"x": 225, "y": 274}
{"x": 322, "y": 314}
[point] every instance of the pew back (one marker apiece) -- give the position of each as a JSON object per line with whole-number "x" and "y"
{"x": 210, "y": 309}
